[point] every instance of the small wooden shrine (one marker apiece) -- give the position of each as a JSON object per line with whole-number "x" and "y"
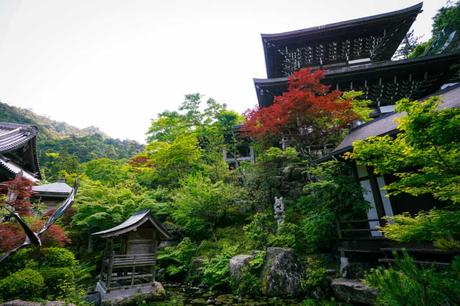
{"x": 129, "y": 257}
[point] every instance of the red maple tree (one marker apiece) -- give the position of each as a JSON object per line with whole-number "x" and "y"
{"x": 21, "y": 189}
{"x": 309, "y": 114}
{"x": 11, "y": 233}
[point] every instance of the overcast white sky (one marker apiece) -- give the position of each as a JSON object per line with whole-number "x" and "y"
{"x": 115, "y": 64}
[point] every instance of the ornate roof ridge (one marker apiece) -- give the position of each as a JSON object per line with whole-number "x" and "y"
{"x": 415, "y": 9}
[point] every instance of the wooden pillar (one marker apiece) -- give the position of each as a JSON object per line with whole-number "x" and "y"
{"x": 133, "y": 271}
{"x": 154, "y": 255}
{"x": 110, "y": 266}
{"x": 376, "y": 194}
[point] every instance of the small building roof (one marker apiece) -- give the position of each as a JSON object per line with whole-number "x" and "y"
{"x": 57, "y": 189}
{"x": 134, "y": 221}
{"x": 386, "y": 125}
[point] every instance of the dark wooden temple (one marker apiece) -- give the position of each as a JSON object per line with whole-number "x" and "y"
{"x": 18, "y": 151}
{"x": 129, "y": 258}
{"x": 357, "y": 55}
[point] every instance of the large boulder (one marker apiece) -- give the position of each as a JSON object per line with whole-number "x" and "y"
{"x": 353, "y": 291}
{"x": 237, "y": 263}
{"x": 282, "y": 273}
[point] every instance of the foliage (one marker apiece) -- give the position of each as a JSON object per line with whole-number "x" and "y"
{"x": 11, "y": 236}
{"x": 448, "y": 17}
{"x": 276, "y": 173}
{"x": 202, "y": 205}
{"x": 315, "y": 276}
{"x": 21, "y": 188}
{"x": 407, "y": 284}
{"x": 108, "y": 171}
{"x": 286, "y": 236}
{"x": 257, "y": 230}
{"x": 408, "y": 45}
{"x": 308, "y": 113}
{"x": 425, "y": 155}
{"x": 57, "y": 257}
{"x": 165, "y": 164}
{"x": 59, "y": 282}
{"x": 23, "y": 284}
{"x": 436, "y": 225}
{"x": 216, "y": 270}
{"x": 331, "y": 195}
{"x": 178, "y": 258}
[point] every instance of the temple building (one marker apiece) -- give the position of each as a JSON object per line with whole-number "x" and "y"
{"x": 356, "y": 55}
{"x": 129, "y": 260}
{"x": 18, "y": 151}
{"x": 359, "y": 55}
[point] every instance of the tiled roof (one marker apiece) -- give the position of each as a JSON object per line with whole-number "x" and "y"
{"x": 385, "y": 125}
{"x": 15, "y": 169}
{"x": 14, "y": 136}
{"x": 53, "y": 189}
{"x": 133, "y": 222}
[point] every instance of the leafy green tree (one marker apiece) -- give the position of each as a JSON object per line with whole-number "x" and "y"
{"x": 425, "y": 155}
{"x": 405, "y": 283}
{"x": 202, "y": 206}
{"x": 108, "y": 171}
{"x": 330, "y": 196}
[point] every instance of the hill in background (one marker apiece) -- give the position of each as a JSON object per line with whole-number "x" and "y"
{"x": 80, "y": 145}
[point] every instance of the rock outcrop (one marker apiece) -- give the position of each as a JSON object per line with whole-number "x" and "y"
{"x": 237, "y": 263}
{"x": 282, "y": 273}
{"x": 353, "y": 291}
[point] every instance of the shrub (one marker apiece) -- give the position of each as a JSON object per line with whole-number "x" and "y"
{"x": 57, "y": 257}
{"x": 440, "y": 226}
{"x": 178, "y": 258}
{"x": 285, "y": 236}
{"x": 318, "y": 229}
{"x": 203, "y": 205}
{"x": 406, "y": 284}
{"x": 59, "y": 281}
{"x": 24, "y": 284}
{"x": 257, "y": 231}
{"x": 216, "y": 270}
{"x": 315, "y": 278}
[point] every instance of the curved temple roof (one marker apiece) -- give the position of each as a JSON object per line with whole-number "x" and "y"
{"x": 134, "y": 221}
{"x": 387, "y": 125}
{"x": 13, "y": 137}
{"x": 375, "y": 37}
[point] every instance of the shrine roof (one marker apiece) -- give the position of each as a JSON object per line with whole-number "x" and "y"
{"x": 386, "y": 125}
{"x": 56, "y": 189}
{"x": 132, "y": 223}
{"x": 376, "y": 37}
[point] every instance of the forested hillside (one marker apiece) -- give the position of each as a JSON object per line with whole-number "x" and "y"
{"x": 66, "y": 145}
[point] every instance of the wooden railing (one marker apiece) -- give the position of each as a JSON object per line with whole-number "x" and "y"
{"x": 123, "y": 271}
{"x": 132, "y": 260}
{"x": 356, "y": 226}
